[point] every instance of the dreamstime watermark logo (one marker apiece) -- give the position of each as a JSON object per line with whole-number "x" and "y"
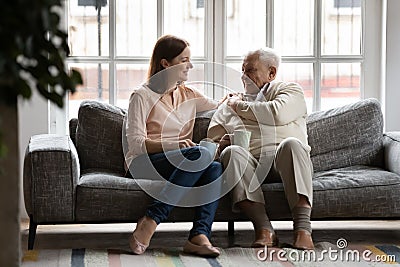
{"x": 144, "y": 169}
{"x": 334, "y": 255}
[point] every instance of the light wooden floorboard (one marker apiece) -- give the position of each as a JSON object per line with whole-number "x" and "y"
{"x": 115, "y": 236}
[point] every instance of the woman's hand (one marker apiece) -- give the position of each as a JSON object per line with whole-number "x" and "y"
{"x": 186, "y": 143}
{"x": 156, "y": 146}
{"x": 222, "y": 100}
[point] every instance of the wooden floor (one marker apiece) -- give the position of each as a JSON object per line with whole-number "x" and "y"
{"x": 115, "y": 236}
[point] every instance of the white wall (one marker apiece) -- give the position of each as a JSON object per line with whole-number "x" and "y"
{"x": 33, "y": 119}
{"x": 392, "y": 93}
{"x": 373, "y": 76}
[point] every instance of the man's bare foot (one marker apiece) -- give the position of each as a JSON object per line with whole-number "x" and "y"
{"x": 265, "y": 237}
{"x": 303, "y": 240}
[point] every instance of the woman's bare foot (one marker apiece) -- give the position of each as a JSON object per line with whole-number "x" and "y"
{"x": 200, "y": 240}
{"x": 145, "y": 229}
{"x": 200, "y": 245}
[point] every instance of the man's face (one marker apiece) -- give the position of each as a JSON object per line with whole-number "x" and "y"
{"x": 254, "y": 74}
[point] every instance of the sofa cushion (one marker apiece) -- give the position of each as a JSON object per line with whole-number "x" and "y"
{"x": 357, "y": 176}
{"x": 99, "y": 128}
{"x": 356, "y": 191}
{"x": 340, "y": 137}
{"x": 73, "y": 124}
{"x": 103, "y": 196}
{"x": 99, "y": 136}
{"x": 201, "y": 125}
{"x": 346, "y": 136}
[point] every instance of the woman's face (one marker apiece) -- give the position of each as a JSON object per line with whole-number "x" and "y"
{"x": 181, "y": 65}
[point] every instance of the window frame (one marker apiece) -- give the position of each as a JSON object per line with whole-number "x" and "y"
{"x": 215, "y": 47}
{"x": 113, "y": 59}
{"x": 317, "y": 59}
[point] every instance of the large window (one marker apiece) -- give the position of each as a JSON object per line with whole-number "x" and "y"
{"x": 321, "y": 43}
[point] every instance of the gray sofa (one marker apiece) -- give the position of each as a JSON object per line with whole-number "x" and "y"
{"x": 80, "y": 178}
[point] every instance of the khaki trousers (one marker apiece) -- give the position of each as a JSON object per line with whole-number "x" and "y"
{"x": 291, "y": 164}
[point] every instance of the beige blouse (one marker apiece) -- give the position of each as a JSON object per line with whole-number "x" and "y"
{"x": 159, "y": 117}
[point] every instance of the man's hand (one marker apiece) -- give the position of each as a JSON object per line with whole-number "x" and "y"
{"x": 224, "y": 142}
{"x": 234, "y": 100}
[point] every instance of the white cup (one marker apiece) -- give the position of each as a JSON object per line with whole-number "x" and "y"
{"x": 211, "y": 147}
{"x": 241, "y": 138}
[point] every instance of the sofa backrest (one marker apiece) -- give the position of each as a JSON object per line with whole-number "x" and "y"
{"x": 340, "y": 137}
{"x": 98, "y": 137}
{"x": 346, "y": 136}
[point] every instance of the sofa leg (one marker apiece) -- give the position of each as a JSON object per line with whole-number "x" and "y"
{"x": 231, "y": 228}
{"x": 32, "y": 233}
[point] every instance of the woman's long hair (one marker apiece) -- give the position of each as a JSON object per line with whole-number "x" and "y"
{"x": 167, "y": 47}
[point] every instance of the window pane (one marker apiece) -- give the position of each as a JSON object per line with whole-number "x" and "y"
{"x": 136, "y": 27}
{"x": 294, "y": 30}
{"x": 95, "y": 85}
{"x": 341, "y": 29}
{"x": 88, "y": 28}
{"x": 233, "y": 81}
{"x": 301, "y": 73}
{"x": 185, "y": 19}
{"x": 347, "y": 3}
{"x": 129, "y": 77}
{"x": 340, "y": 84}
{"x": 227, "y": 79}
{"x": 245, "y": 26}
{"x": 197, "y": 79}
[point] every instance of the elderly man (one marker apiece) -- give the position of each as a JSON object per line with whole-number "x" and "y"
{"x": 275, "y": 114}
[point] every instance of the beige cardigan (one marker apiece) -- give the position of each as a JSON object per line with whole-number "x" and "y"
{"x": 281, "y": 114}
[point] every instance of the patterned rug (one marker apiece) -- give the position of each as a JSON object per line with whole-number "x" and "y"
{"x": 325, "y": 254}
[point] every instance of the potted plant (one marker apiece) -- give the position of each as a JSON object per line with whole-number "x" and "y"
{"x": 33, "y": 49}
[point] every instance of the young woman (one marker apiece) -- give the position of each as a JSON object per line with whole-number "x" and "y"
{"x": 159, "y": 128}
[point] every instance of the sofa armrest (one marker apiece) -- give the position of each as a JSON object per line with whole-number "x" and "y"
{"x": 51, "y": 173}
{"x": 391, "y": 143}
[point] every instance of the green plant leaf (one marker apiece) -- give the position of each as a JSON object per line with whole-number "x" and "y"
{"x": 76, "y": 79}
{"x": 25, "y": 27}
{"x": 25, "y": 89}
{"x": 3, "y": 149}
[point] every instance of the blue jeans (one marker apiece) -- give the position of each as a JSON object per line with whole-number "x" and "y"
{"x": 204, "y": 214}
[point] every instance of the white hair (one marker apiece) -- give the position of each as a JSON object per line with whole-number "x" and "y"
{"x": 268, "y": 56}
